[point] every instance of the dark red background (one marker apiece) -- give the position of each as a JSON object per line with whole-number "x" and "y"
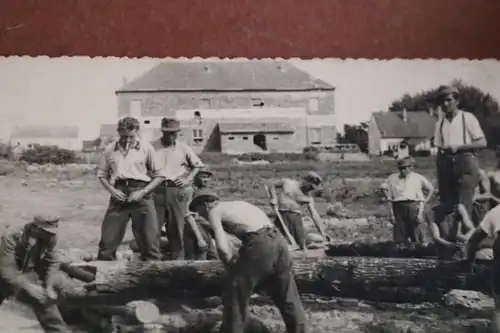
{"x": 252, "y": 28}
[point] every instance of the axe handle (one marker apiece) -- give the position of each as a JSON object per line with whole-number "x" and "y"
{"x": 288, "y": 236}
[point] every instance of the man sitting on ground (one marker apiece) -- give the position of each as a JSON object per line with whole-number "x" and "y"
{"x": 263, "y": 260}
{"x": 293, "y": 195}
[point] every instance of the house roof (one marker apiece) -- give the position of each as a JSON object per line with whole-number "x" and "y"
{"x": 225, "y": 76}
{"x": 107, "y": 131}
{"x": 40, "y": 131}
{"x": 419, "y": 124}
{"x": 255, "y": 127}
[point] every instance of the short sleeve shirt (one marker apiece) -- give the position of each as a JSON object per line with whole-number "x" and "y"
{"x": 462, "y": 129}
{"x": 491, "y": 222}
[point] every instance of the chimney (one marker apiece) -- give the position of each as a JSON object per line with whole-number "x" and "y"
{"x": 405, "y": 115}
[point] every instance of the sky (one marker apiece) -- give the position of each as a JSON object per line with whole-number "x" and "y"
{"x": 80, "y": 90}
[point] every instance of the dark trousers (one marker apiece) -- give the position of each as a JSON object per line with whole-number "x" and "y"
{"x": 191, "y": 249}
{"x": 406, "y": 225}
{"x": 264, "y": 262}
{"x": 293, "y": 222}
{"x": 48, "y": 316}
{"x": 458, "y": 175}
{"x": 144, "y": 225}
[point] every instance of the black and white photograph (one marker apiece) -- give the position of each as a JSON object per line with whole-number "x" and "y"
{"x": 200, "y": 195}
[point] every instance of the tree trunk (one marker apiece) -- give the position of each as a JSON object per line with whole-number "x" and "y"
{"x": 381, "y": 249}
{"x": 376, "y": 279}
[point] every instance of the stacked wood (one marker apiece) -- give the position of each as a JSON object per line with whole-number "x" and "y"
{"x": 381, "y": 249}
{"x": 377, "y": 279}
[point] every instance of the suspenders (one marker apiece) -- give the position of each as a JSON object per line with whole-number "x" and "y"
{"x": 464, "y": 128}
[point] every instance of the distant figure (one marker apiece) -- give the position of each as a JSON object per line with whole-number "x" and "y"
{"x": 27, "y": 254}
{"x": 404, "y": 189}
{"x": 263, "y": 261}
{"x": 458, "y": 136}
{"x": 129, "y": 173}
{"x": 403, "y": 150}
{"x": 292, "y": 196}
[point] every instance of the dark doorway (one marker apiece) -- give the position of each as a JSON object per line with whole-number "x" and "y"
{"x": 260, "y": 140}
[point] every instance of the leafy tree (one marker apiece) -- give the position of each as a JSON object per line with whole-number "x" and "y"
{"x": 484, "y": 106}
{"x": 355, "y": 134}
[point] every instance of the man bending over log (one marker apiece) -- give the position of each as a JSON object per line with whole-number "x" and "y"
{"x": 192, "y": 250}
{"x": 404, "y": 190}
{"x": 448, "y": 226}
{"x": 484, "y": 200}
{"x": 263, "y": 260}
{"x": 27, "y": 255}
{"x": 489, "y": 227}
{"x": 293, "y": 195}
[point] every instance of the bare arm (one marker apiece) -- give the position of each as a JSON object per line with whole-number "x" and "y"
{"x": 195, "y": 162}
{"x": 272, "y": 185}
{"x": 436, "y": 236}
{"x": 221, "y": 241}
{"x": 465, "y": 218}
{"x": 476, "y": 237}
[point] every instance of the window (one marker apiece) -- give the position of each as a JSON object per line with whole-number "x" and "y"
{"x": 256, "y": 102}
{"x": 315, "y": 136}
{"x": 205, "y": 103}
{"x": 198, "y": 135}
{"x": 245, "y": 138}
{"x": 314, "y": 104}
{"x": 136, "y": 108}
{"x": 276, "y": 138}
{"x": 231, "y": 138}
{"x": 146, "y": 122}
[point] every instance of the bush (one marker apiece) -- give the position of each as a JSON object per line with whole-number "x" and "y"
{"x": 6, "y": 151}
{"x": 48, "y": 154}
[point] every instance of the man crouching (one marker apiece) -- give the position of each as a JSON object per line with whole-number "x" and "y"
{"x": 26, "y": 250}
{"x": 263, "y": 260}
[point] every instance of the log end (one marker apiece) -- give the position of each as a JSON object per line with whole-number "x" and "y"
{"x": 144, "y": 312}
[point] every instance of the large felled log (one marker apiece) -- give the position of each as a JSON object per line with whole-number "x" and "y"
{"x": 377, "y": 279}
{"x": 381, "y": 249}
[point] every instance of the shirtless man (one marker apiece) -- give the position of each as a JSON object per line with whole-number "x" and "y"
{"x": 263, "y": 260}
{"x": 293, "y": 195}
{"x": 484, "y": 200}
{"x": 489, "y": 227}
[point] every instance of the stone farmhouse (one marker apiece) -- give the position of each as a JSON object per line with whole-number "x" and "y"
{"x": 386, "y": 130}
{"x": 234, "y": 106}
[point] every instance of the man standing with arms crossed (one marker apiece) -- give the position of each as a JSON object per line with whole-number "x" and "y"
{"x": 457, "y": 136}
{"x": 404, "y": 189}
{"x": 180, "y": 165}
{"x": 263, "y": 260}
{"x": 128, "y": 171}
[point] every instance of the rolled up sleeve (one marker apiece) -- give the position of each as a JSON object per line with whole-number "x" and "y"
{"x": 103, "y": 168}
{"x": 475, "y": 130}
{"x": 193, "y": 160}
{"x": 153, "y": 161}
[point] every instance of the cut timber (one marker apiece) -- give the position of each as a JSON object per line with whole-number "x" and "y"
{"x": 377, "y": 279}
{"x": 381, "y": 249}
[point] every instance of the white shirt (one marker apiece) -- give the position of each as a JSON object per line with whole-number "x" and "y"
{"x": 453, "y": 132}
{"x": 491, "y": 222}
{"x": 176, "y": 160}
{"x": 409, "y": 188}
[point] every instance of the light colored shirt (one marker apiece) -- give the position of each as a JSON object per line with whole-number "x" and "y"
{"x": 291, "y": 198}
{"x": 491, "y": 222}
{"x": 138, "y": 163}
{"x": 176, "y": 160}
{"x": 452, "y": 132}
{"x": 406, "y": 189}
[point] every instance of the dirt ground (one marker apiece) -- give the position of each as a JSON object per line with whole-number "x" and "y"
{"x": 80, "y": 201}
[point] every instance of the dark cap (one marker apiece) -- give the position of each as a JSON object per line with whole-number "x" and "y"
{"x": 170, "y": 125}
{"x": 313, "y": 178}
{"x": 404, "y": 163}
{"x": 202, "y": 195}
{"x": 46, "y": 222}
{"x": 128, "y": 124}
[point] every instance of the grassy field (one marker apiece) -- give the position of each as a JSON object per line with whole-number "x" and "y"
{"x": 80, "y": 200}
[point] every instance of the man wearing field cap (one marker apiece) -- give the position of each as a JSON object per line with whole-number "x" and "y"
{"x": 263, "y": 261}
{"x": 180, "y": 165}
{"x": 27, "y": 256}
{"x": 458, "y": 136}
{"x": 288, "y": 204}
{"x": 128, "y": 171}
{"x": 404, "y": 189}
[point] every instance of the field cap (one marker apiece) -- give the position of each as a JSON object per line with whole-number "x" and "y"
{"x": 170, "y": 125}
{"x": 404, "y": 163}
{"x": 201, "y": 195}
{"x": 313, "y": 178}
{"x": 447, "y": 90}
{"x": 46, "y": 222}
{"x": 205, "y": 170}
{"x": 128, "y": 124}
